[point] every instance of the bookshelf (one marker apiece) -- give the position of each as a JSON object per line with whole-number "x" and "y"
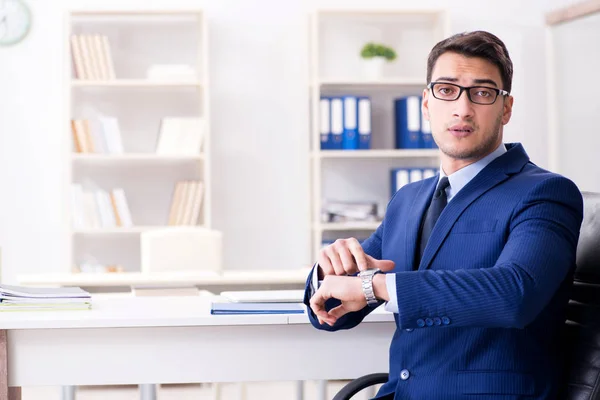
{"x": 336, "y": 69}
{"x": 138, "y": 91}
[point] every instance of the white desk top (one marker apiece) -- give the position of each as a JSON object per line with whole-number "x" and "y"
{"x": 127, "y": 311}
{"x": 232, "y": 277}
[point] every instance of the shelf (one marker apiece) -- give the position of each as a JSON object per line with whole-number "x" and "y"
{"x": 382, "y": 82}
{"x": 348, "y": 226}
{"x": 133, "y": 83}
{"x": 124, "y": 231}
{"x": 133, "y": 157}
{"x": 392, "y": 153}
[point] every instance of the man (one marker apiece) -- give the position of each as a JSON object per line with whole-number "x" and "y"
{"x": 477, "y": 261}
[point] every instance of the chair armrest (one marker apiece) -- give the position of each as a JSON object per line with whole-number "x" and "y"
{"x": 359, "y": 384}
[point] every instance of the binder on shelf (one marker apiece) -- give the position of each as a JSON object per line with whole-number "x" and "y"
{"x": 429, "y": 173}
{"x": 427, "y": 141}
{"x": 399, "y": 178}
{"x": 407, "y": 121}
{"x": 364, "y": 123}
{"x": 350, "y": 135}
{"x": 415, "y": 175}
{"x": 325, "y": 122}
{"x": 337, "y": 123}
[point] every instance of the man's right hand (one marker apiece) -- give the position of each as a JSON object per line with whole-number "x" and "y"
{"x": 346, "y": 257}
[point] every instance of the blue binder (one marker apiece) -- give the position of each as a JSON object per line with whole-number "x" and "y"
{"x": 407, "y": 121}
{"x": 337, "y": 123}
{"x": 350, "y": 135}
{"x": 364, "y": 123}
{"x": 325, "y": 122}
{"x": 427, "y": 141}
{"x": 399, "y": 177}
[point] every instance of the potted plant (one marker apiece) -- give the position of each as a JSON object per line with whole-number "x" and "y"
{"x": 374, "y": 56}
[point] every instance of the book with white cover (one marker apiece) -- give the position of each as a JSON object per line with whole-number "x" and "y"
{"x": 264, "y": 296}
{"x": 7, "y": 291}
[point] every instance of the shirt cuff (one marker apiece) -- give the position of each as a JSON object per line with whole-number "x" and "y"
{"x": 315, "y": 280}
{"x": 390, "y": 283}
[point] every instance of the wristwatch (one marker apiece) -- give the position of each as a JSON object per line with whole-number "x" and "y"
{"x": 367, "y": 285}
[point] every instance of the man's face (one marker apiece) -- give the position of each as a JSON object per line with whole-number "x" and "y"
{"x": 464, "y": 130}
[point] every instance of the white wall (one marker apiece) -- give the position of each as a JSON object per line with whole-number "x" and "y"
{"x": 259, "y": 107}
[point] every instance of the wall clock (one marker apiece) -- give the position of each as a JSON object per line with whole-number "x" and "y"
{"x": 15, "y": 21}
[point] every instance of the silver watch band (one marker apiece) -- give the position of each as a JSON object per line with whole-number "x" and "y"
{"x": 367, "y": 285}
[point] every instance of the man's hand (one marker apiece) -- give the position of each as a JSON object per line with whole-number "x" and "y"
{"x": 346, "y": 257}
{"x": 347, "y": 289}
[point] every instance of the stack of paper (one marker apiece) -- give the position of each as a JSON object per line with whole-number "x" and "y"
{"x": 17, "y": 298}
{"x": 259, "y": 302}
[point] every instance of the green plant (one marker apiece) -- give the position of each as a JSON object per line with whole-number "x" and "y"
{"x": 371, "y": 50}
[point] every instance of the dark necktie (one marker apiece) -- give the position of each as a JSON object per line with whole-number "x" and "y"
{"x": 438, "y": 202}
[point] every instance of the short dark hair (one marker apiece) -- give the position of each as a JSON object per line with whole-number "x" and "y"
{"x": 478, "y": 44}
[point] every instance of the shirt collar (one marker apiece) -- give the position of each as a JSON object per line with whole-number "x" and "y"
{"x": 460, "y": 178}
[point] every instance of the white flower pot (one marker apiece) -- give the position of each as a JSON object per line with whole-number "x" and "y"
{"x": 373, "y": 68}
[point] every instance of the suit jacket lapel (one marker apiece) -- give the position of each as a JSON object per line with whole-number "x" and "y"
{"x": 496, "y": 172}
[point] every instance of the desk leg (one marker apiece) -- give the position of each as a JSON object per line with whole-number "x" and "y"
{"x": 13, "y": 393}
{"x": 299, "y": 390}
{"x": 148, "y": 392}
{"x": 68, "y": 392}
{"x": 321, "y": 390}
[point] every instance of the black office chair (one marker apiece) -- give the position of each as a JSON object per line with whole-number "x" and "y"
{"x": 581, "y": 338}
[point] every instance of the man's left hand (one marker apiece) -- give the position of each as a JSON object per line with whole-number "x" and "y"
{"x": 347, "y": 289}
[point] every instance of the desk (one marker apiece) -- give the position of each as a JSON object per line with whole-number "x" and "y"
{"x": 232, "y": 279}
{"x": 145, "y": 340}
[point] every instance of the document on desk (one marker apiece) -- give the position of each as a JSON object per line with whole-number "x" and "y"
{"x": 259, "y": 302}
{"x": 18, "y": 298}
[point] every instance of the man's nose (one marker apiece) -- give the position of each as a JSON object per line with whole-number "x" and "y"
{"x": 463, "y": 107}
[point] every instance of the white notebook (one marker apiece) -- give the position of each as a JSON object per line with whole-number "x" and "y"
{"x": 265, "y": 296}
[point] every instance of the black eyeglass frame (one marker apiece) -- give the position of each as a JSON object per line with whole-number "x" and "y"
{"x": 499, "y": 92}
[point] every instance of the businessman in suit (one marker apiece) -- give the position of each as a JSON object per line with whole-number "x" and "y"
{"x": 475, "y": 262}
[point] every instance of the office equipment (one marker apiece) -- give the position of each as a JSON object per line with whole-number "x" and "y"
{"x": 350, "y": 135}
{"x": 407, "y": 120}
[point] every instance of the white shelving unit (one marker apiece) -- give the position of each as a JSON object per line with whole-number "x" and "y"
{"x": 138, "y": 40}
{"x": 336, "y": 39}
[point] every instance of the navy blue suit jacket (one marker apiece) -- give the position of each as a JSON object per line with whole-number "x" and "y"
{"x": 479, "y": 317}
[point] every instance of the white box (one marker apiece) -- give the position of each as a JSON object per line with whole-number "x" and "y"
{"x": 181, "y": 249}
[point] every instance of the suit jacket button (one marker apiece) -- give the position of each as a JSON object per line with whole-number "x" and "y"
{"x": 445, "y": 320}
{"x": 437, "y": 321}
{"x": 409, "y": 329}
{"x": 420, "y": 323}
{"x": 428, "y": 322}
{"x": 404, "y": 374}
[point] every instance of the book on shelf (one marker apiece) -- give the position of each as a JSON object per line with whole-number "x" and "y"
{"x": 19, "y": 298}
{"x": 186, "y": 203}
{"x": 180, "y": 136}
{"x": 91, "y": 57}
{"x": 99, "y": 208}
{"x": 101, "y": 135}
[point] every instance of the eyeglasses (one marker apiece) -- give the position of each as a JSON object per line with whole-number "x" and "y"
{"x": 477, "y": 94}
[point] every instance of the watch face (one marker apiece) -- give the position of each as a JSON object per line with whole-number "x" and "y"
{"x": 15, "y": 21}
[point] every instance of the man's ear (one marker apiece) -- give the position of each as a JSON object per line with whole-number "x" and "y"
{"x": 425, "y": 104}
{"x": 507, "y": 109}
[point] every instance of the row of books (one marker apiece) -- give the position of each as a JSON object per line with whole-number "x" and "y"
{"x": 345, "y": 123}
{"x": 99, "y": 208}
{"x": 411, "y": 129}
{"x": 404, "y": 176}
{"x": 97, "y": 135}
{"x": 18, "y": 298}
{"x": 186, "y": 203}
{"x": 91, "y": 57}
{"x": 176, "y": 136}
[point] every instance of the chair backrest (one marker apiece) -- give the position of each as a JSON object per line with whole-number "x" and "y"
{"x": 581, "y": 342}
